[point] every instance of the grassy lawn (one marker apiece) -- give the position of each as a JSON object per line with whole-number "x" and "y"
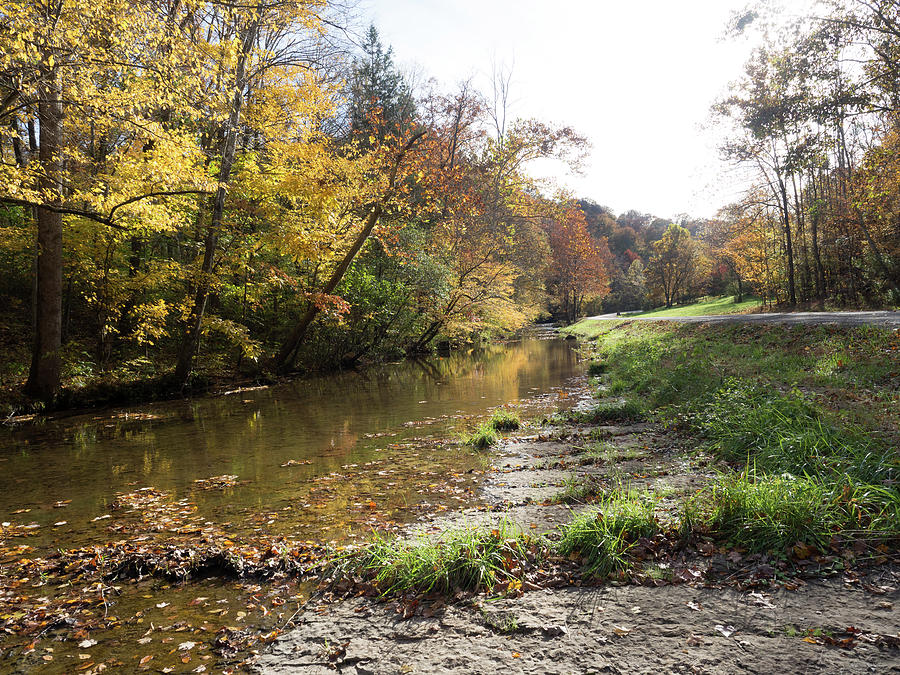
{"x": 707, "y": 307}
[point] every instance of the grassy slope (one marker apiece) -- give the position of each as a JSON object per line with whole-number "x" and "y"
{"x": 708, "y": 307}
{"x": 805, "y": 420}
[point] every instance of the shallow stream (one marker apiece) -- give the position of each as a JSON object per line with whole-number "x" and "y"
{"x": 325, "y": 459}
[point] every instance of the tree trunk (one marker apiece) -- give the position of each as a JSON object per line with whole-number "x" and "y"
{"x": 814, "y": 237}
{"x": 43, "y": 378}
{"x": 191, "y": 340}
{"x": 786, "y": 216}
{"x": 285, "y": 356}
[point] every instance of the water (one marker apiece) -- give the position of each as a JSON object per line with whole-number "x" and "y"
{"x": 324, "y": 459}
{"x": 332, "y": 422}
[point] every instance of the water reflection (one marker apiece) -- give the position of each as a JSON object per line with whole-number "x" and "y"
{"x": 351, "y": 418}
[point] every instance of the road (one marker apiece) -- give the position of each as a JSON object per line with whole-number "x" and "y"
{"x": 889, "y": 319}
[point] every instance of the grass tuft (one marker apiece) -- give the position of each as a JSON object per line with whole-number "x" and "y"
{"x": 773, "y": 513}
{"x": 602, "y": 535}
{"x": 484, "y": 437}
{"x": 505, "y": 420}
{"x": 469, "y": 559}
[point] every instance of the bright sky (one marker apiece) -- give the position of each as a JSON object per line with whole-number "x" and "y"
{"x": 637, "y": 77}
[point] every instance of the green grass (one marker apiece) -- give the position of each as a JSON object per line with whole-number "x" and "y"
{"x": 803, "y": 415}
{"x": 505, "y": 420}
{"x": 608, "y": 411}
{"x": 788, "y": 432}
{"x": 773, "y": 513}
{"x": 602, "y": 535}
{"x": 776, "y": 512}
{"x": 597, "y": 368}
{"x": 484, "y": 437}
{"x": 707, "y": 307}
{"x": 464, "y": 559}
{"x": 487, "y": 434}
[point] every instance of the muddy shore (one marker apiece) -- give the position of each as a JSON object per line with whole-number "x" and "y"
{"x": 684, "y": 618}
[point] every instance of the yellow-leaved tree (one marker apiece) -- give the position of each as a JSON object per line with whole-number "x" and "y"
{"x": 87, "y": 90}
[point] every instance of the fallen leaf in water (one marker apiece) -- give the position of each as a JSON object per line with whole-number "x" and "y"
{"x": 146, "y": 659}
{"x": 86, "y": 644}
{"x": 694, "y": 606}
{"x": 184, "y": 646}
{"x": 516, "y": 655}
{"x": 621, "y": 631}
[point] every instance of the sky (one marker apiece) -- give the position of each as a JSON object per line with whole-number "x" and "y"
{"x": 637, "y": 77}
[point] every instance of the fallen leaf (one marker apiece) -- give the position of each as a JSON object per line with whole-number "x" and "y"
{"x": 621, "y": 631}
{"x": 727, "y": 631}
{"x": 86, "y": 644}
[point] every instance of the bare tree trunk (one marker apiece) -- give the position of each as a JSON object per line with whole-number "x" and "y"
{"x": 43, "y": 378}
{"x": 814, "y": 236}
{"x": 786, "y": 217}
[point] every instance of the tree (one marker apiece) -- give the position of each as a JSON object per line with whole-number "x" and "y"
{"x": 79, "y": 107}
{"x": 674, "y": 263}
{"x": 378, "y": 91}
{"x": 578, "y": 266}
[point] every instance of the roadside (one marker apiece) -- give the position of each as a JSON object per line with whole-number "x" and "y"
{"x": 879, "y": 318}
{"x": 665, "y": 551}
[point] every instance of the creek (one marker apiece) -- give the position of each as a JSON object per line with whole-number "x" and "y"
{"x": 326, "y": 459}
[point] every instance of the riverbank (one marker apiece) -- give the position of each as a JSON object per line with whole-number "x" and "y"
{"x": 595, "y": 536}
{"x": 620, "y": 557}
{"x": 703, "y": 607}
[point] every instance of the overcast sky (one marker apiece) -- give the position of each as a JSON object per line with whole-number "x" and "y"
{"x": 636, "y": 77}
